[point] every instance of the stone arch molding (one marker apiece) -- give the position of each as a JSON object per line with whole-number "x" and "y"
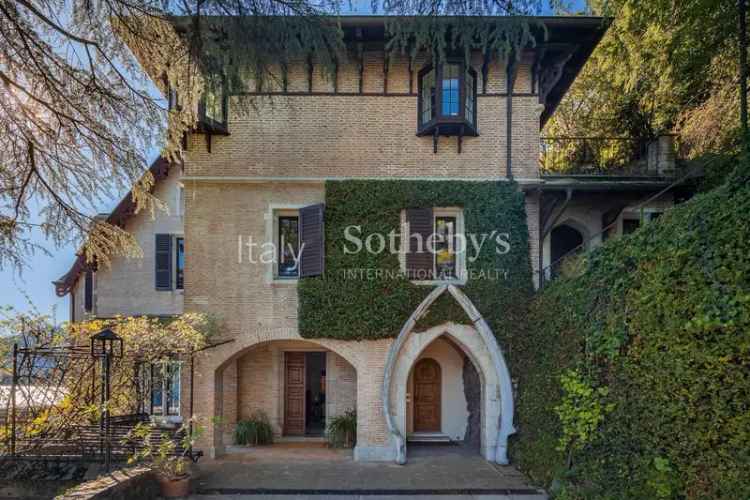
{"x": 479, "y": 343}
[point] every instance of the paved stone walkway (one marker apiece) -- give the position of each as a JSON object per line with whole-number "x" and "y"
{"x": 297, "y": 471}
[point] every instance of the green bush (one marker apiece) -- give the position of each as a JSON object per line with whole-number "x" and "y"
{"x": 339, "y": 306}
{"x": 342, "y": 430}
{"x": 657, "y": 332}
{"x": 254, "y": 431}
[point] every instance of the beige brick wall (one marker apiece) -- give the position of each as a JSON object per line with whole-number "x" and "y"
{"x": 372, "y": 135}
{"x": 341, "y": 382}
{"x": 127, "y": 287}
{"x": 532, "y": 221}
{"x": 276, "y": 148}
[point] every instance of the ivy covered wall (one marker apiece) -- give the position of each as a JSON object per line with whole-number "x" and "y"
{"x": 634, "y": 374}
{"x": 350, "y": 301}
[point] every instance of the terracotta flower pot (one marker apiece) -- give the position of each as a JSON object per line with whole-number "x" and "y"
{"x": 174, "y": 488}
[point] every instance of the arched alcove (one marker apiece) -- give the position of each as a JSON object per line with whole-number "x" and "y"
{"x": 254, "y": 377}
{"x": 478, "y": 343}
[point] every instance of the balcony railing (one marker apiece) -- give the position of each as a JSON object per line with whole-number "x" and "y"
{"x": 607, "y": 157}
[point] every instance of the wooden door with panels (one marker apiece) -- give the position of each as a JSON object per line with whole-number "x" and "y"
{"x": 294, "y": 393}
{"x": 427, "y": 399}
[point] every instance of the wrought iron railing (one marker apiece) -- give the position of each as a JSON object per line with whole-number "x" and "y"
{"x": 606, "y": 156}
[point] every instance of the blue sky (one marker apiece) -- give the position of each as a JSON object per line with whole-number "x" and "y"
{"x": 35, "y": 280}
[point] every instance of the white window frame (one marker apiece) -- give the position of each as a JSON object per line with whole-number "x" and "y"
{"x": 461, "y": 273}
{"x": 272, "y": 236}
{"x": 161, "y": 417}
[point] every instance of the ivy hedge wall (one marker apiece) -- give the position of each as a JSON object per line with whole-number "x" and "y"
{"x": 346, "y": 303}
{"x": 635, "y": 371}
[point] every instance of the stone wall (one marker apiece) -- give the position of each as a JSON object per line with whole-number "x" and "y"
{"x": 125, "y": 484}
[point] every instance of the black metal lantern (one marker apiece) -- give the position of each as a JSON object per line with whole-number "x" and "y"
{"x": 105, "y": 343}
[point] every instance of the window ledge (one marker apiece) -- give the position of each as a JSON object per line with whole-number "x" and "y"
{"x": 448, "y": 127}
{"x": 168, "y": 421}
{"x": 284, "y": 282}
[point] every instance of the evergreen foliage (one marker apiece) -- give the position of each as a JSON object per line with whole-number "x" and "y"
{"x": 336, "y": 305}
{"x": 634, "y": 375}
{"x": 663, "y": 65}
{"x": 441, "y": 37}
{"x": 254, "y": 431}
{"x": 342, "y": 430}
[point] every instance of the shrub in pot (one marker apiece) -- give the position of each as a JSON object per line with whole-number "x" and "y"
{"x": 342, "y": 430}
{"x": 160, "y": 450}
{"x": 254, "y": 431}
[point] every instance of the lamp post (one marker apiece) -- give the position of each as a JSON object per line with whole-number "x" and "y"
{"x": 106, "y": 345}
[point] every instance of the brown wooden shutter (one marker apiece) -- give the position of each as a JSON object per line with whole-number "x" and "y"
{"x": 88, "y": 291}
{"x": 163, "y": 259}
{"x": 312, "y": 240}
{"x": 419, "y": 265}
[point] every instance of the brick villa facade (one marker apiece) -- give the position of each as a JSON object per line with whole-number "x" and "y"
{"x": 253, "y": 180}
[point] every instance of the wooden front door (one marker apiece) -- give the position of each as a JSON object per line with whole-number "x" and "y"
{"x": 294, "y": 391}
{"x": 427, "y": 387}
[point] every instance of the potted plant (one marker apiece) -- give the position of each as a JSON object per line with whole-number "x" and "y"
{"x": 162, "y": 451}
{"x": 342, "y": 430}
{"x": 254, "y": 431}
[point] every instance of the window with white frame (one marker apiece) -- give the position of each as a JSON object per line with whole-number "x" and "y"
{"x": 444, "y": 243}
{"x": 286, "y": 241}
{"x": 162, "y": 384}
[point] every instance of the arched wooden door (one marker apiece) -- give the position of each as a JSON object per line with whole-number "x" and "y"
{"x": 427, "y": 390}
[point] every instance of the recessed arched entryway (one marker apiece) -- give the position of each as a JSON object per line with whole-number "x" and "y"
{"x": 565, "y": 239}
{"x": 478, "y": 344}
{"x": 299, "y": 385}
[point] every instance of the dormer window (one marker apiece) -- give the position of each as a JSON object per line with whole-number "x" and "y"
{"x": 447, "y": 100}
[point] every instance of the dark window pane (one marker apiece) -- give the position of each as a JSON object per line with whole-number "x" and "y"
{"x": 630, "y": 225}
{"x": 288, "y": 246}
{"x": 180, "y": 263}
{"x": 445, "y": 247}
{"x": 214, "y": 100}
{"x": 157, "y": 390}
{"x": 428, "y": 96}
{"x": 470, "y": 98}
{"x": 450, "y": 89}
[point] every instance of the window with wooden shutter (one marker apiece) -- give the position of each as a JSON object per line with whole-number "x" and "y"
{"x": 88, "y": 291}
{"x": 163, "y": 258}
{"x": 419, "y": 259}
{"x": 312, "y": 240}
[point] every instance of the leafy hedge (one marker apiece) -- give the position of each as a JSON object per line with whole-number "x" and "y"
{"x": 635, "y": 374}
{"x": 343, "y": 306}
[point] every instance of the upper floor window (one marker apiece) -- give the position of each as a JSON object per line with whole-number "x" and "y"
{"x": 88, "y": 291}
{"x": 447, "y": 100}
{"x": 213, "y": 106}
{"x": 179, "y": 279}
{"x": 432, "y": 247}
{"x": 169, "y": 258}
{"x": 288, "y": 246}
